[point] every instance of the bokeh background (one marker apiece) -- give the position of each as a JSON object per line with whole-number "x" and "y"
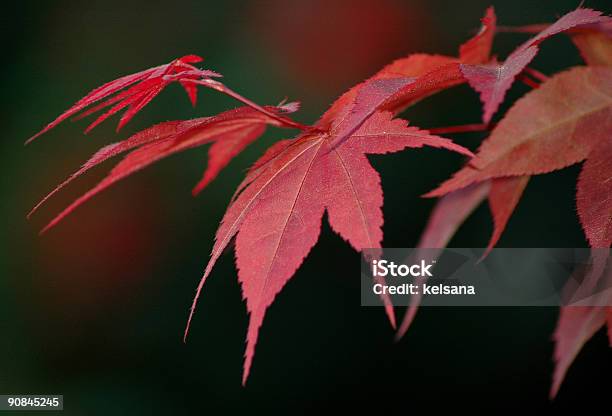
{"x": 95, "y": 309}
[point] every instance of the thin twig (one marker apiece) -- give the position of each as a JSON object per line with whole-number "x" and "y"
{"x": 464, "y": 128}
{"x": 535, "y": 28}
{"x": 528, "y": 81}
{"x": 536, "y": 74}
{"x": 218, "y": 86}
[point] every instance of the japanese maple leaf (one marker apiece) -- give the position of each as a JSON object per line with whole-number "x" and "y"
{"x": 229, "y": 132}
{"x": 493, "y": 80}
{"x": 575, "y": 327}
{"x": 595, "y": 44}
{"x": 279, "y": 207}
{"x": 276, "y": 214}
{"x": 276, "y": 219}
{"x": 563, "y": 122}
{"x": 137, "y": 90}
{"x": 566, "y": 121}
{"x": 595, "y": 40}
{"x": 577, "y": 324}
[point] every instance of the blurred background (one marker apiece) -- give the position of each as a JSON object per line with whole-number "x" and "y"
{"x": 95, "y": 309}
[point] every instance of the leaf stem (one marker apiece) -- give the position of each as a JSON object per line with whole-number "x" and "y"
{"x": 218, "y": 86}
{"x": 535, "y": 28}
{"x": 536, "y": 74}
{"x": 528, "y": 81}
{"x": 464, "y": 128}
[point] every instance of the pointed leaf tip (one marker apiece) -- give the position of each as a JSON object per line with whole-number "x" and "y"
{"x": 478, "y": 49}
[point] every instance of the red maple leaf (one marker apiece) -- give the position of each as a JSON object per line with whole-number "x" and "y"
{"x": 141, "y": 86}
{"x": 506, "y": 188}
{"x": 327, "y": 171}
{"x": 564, "y": 122}
{"x": 575, "y": 327}
{"x": 548, "y": 129}
{"x": 229, "y": 133}
{"x": 277, "y": 213}
{"x": 493, "y": 80}
{"x": 277, "y": 217}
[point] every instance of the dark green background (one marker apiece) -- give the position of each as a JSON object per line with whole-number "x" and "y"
{"x": 95, "y": 309}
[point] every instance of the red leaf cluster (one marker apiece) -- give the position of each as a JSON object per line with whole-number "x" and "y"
{"x": 566, "y": 120}
{"x": 276, "y": 213}
{"x": 134, "y": 91}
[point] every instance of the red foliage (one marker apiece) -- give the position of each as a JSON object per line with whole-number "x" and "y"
{"x": 565, "y": 121}
{"x": 277, "y": 217}
{"x": 230, "y": 133}
{"x": 276, "y": 213}
{"x": 493, "y": 80}
{"x": 143, "y": 87}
